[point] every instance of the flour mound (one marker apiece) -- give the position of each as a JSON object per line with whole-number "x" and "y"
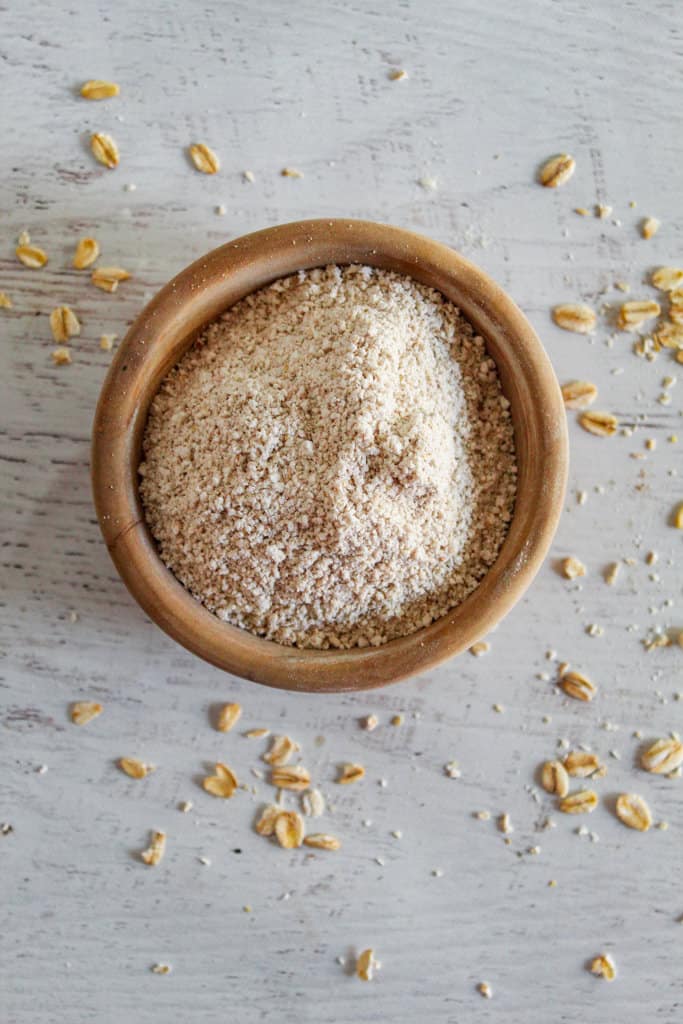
{"x": 332, "y": 463}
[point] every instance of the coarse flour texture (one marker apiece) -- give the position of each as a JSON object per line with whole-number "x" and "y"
{"x": 332, "y": 463}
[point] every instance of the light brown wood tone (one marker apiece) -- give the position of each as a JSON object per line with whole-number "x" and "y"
{"x": 164, "y": 331}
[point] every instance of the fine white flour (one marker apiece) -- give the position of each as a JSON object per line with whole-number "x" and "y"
{"x": 332, "y": 463}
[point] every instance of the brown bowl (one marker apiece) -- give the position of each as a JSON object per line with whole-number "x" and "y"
{"x": 163, "y": 332}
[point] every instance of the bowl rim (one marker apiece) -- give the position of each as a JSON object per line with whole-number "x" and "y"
{"x": 155, "y": 342}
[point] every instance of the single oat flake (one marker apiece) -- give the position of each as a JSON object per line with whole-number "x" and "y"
{"x": 554, "y": 778}
{"x": 228, "y": 716}
{"x": 582, "y": 764}
{"x": 134, "y": 768}
{"x": 579, "y": 394}
{"x": 31, "y": 256}
{"x": 611, "y": 573}
{"x": 5, "y": 301}
{"x": 369, "y": 723}
{"x": 313, "y": 803}
{"x": 97, "y": 89}
{"x": 104, "y": 149}
{"x": 281, "y": 751}
{"x": 265, "y": 824}
{"x": 668, "y": 279}
{"x": 289, "y": 829}
{"x": 572, "y": 568}
{"x": 61, "y": 356}
{"x": 366, "y": 965}
{"x": 574, "y": 316}
{"x": 480, "y": 648}
{"x": 603, "y": 966}
{"x": 161, "y": 968}
{"x": 156, "y": 849}
{"x": 634, "y": 314}
{"x": 582, "y": 802}
{"x": 602, "y": 424}
{"x": 557, "y": 170}
{"x": 663, "y": 757}
{"x": 223, "y": 784}
{"x": 633, "y": 811}
{"x": 256, "y": 734}
{"x": 294, "y": 777}
{"x": 350, "y": 773}
{"x": 322, "y": 841}
{"x": 83, "y": 711}
{"x": 649, "y": 227}
{"x": 485, "y": 990}
{"x": 64, "y": 323}
{"x": 577, "y": 685}
{"x": 204, "y": 158}
{"x": 291, "y": 172}
{"x": 87, "y": 251}
{"x": 108, "y": 278}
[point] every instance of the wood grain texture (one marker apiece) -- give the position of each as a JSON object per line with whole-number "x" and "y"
{"x": 493, "y": 90}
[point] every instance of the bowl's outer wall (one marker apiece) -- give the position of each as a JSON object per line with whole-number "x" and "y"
{"x": 164, "y": 331}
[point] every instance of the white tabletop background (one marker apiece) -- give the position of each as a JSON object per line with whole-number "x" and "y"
{"x": 493, "y": 89}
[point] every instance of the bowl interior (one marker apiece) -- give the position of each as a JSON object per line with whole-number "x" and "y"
{"x": 169, "y": 325}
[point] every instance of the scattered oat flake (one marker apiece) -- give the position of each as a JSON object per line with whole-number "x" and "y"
{"x": 161, "y": 969}
{"x": 185, "y": 806}
{"x": 649, "y": 227}
{"x": 498, "y": 708}
{"x": 479, "y": 648}
{"x": 667, "y": 279}
{"x": 582, "y": 764}
{"x": 634, "y": 314}
{"x": 582, "y": 802}
{"x": 678, "y": 517}
{"x": 204, "y": 158}
{"x": 221, "y": 210}
{"x": 397, "y": 75}
{"x": 579, "y": 394}
{"x": 369, "y": 723}
{"x": 256, "y": 734}
{"x": 504, "y": 824}
{"x": 622, "y": 286}
{"x": 633, "y": 811}
{"x": 664, "y": 756}
{"x": 611, "y": 573}
{"x": 557, "y": 170}
{"x": 135, "y": 768}
{"x": 31, "y": 256}
{"x": 107, "y": 341}
{"x": 289, "y": 829}
{"x": 293, "y": 777}
{"x": 554, "y": 778}
{"x": 249, "y": 176}
{"x": 582, "y": 211}
{"x": 482, "y": 815}
{"x": 98, "y": 89}
{"x": 577, "y": 685}
{"x": 265, "y": 824}
{"x": 322, "y": 841}
{"x": 61, "y": 356}
{"x": 602, "y": 211}
{"x": 575, "y": 317}
{"x": 603, "y": 967}
{"x": 313, "y": 803}
{"x": 155, "y": 851}
{"x": 602, "y": 424}
{"x": 223, "y": 784}
{"x": 291, "y": 172}
{"x": 5, "y": 301}
{"x": 84, "y": 711}
{"x": 108, "y": 278}
{"x": 281, "y": 751}
{"x": 350, "y": 773}
{"x": 396, "y": 720}
{"x": 452, "y": 770}
{"x": 64, "y": 323}
{"x": 572, "y": 568}
{"x": 428, "y": 183}
{"x": 484, "y": 989}
{"x": 366, "y": 965}
{"x": 87, "y": 251}
{"x": 228, "y": 716}
{"x": 104, "y": 149}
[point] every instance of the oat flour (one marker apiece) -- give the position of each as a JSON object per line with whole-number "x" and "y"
{"x": 332, "y": 463}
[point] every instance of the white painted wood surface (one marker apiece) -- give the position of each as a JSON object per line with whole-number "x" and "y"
{"x": 493, "y": 89}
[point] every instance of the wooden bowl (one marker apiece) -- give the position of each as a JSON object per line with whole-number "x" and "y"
{"x": 164, "y": 331}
